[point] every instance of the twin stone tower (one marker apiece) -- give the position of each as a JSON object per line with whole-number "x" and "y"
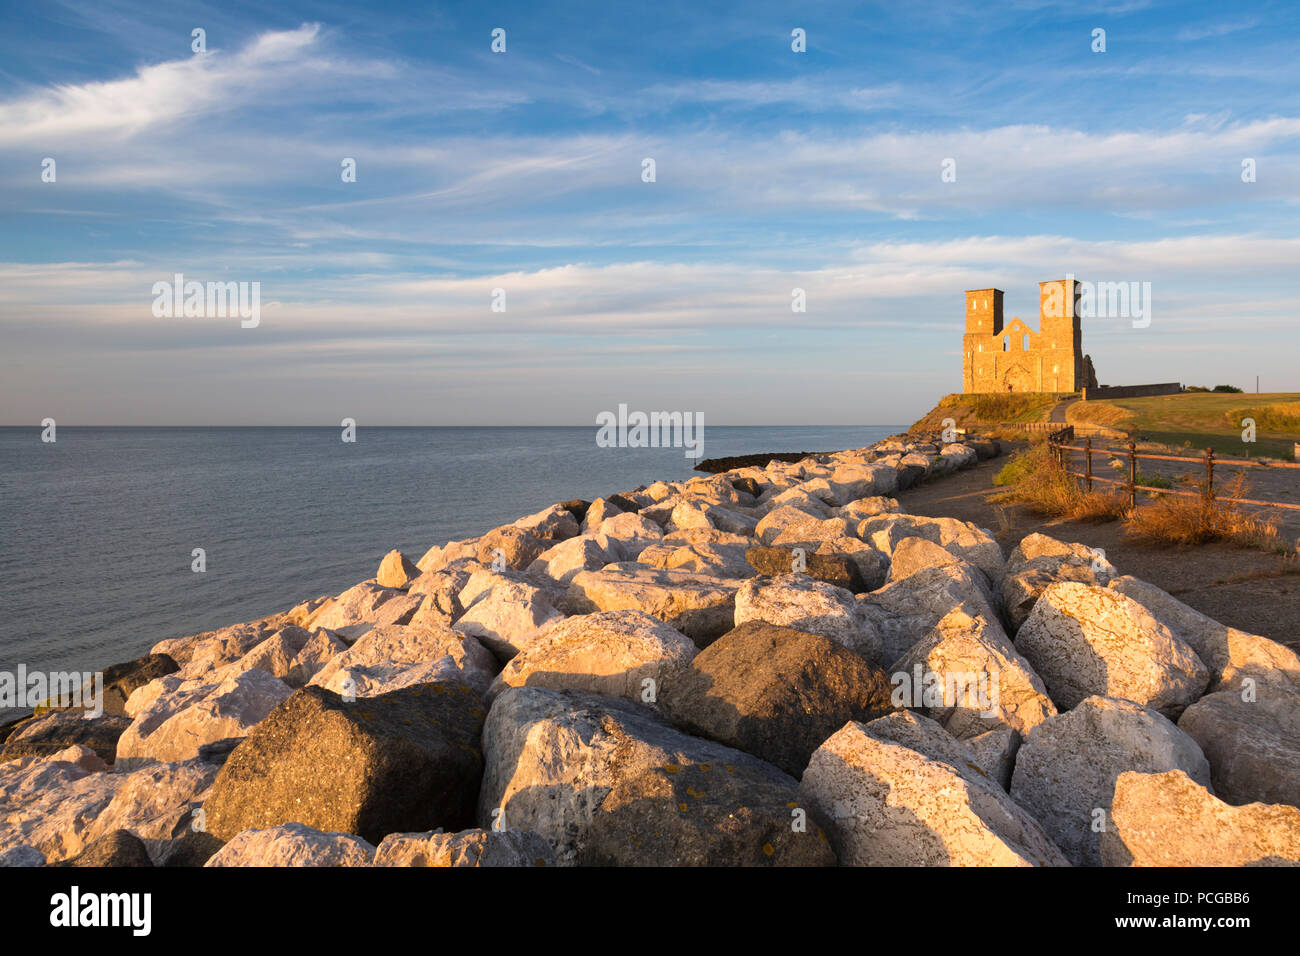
{"x": 1015, "y": 358}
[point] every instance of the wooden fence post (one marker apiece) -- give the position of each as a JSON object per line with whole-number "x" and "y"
{"x": 1132, "y": 474}
{"x": 1087, "y": 451}
{"x": 1209, "y": 474}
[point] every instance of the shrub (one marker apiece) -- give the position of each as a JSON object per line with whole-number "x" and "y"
{"x": 1227, "y": 388}
{"x": 1036, "y": 480}
{"x": 1184, "y": 521}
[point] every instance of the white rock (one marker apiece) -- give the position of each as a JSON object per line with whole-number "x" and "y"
{"x": 1252, "y": 740}
{"x": 1231, "y": 655}
{"x": 986, "y": 684}
{"x": 293, "y": 844}
{"x": 399, "y": 655}
{"x": 798, "y": 601}
{"x": 466, "y": 848}
{"x": 614, "y": 653}
{"x": 588, "y": 552}
{"x": 1085, "y": 640}
{"x": 1067, "y": 767}
{"x": 700, "y": 606}
{"x": 901, "y": 791}
{"x": 963, "y": 539}
{"x": 505, "y": 616}
{"x": 174, "y": 726}
{"x": 1167, "y": 819}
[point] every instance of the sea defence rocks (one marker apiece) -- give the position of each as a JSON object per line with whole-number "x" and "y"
{"x": 61, "y": 803}
{"x": 698, "y": 605}
{"x": 406, "y": 760}
{"x": 57, "y": 730}
{"x": 1168, "y": 819}
{"x": 1086, "y": 640}
{"x": 192, "y": 713}
{"x": 1040, "y": 561}
{"x": 775, "y": 692}
{"x": 504, "y": 613}
{"x": 625, "y": 654}
{"x": 628, "y": 789}
{"x": 982, "y": 683}
{"x": 511, "y": 848}
{"x": 1066, "y": 769}
{"x": 396, "y": 570}
{"x": 901, "y": 791}
{"x": 1232, "y": 656}
{"x": 904, "y": 612}
{"x": 400, "y": 655}
{"x": 960, "y": 538}
{"x": 292, "y": 844}
{"x": 1252, "y": 740}
{"x": 797, "y": 601}
{"x": 769, "y": 666}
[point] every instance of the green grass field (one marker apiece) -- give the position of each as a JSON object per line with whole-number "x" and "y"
{"x": 1200, "y": 419}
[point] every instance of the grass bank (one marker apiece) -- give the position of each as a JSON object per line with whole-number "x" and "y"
{"x": 1196, "y": 420}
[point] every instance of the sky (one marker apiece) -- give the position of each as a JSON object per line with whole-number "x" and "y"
{"x": 524, "y": 171}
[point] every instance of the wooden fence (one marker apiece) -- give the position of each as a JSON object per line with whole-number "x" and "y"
{"x": 1060, "y": 442}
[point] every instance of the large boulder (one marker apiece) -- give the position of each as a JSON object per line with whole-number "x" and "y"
{"x": 555, "y": 523}
{"x": 901, "y": 791}
{"x": 120, "y": 680}
{"x": 588, "y": 552}
{"x": 504, "y": 613}
{"x": 982, "y": 682}
{"x": 775, "y": 692}
{"x": 363, "y": 604}
{"x": 1167, "y": 819}
{"x": 399, "y": 655}
{"x": 396, "y": 570}
{"x": 700, "y": 606}
{"x": 176, "y": 725}
{"x": 1252, "y": 740}
{"x": 404, "y": 761}
{"x": 798, "y": 601}
{"x": 198, "y": 654}
{"x": 466, "y": 848}
{"x": 837, "y": 570}
{"x": 510, "y": 547}
{"x": 632, "y": 532}
{"x": 961, "y": 538}
{"x": 292, "y": 844}
{"x": 1067, "y": 767}
{"x": 783, "y": 517}
{"x": 61, "y": 803}
{"x": 154, "y": 803}
{"x": 1040, "y": 561}
{"x": 1232, "y": 655}
{"x": 439, "y": 556}
{"x": 906, "y": 611}
{"x": 616, "y": 653}
{"x": 118, "y": 848}
{"x": 277, "y": 655}
{"x": 631, "y": 790}
{"x": 56, "y": 730}
{"x": 1089, "y": 641}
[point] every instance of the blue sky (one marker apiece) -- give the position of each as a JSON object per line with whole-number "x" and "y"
{"x": 522, "y": 171}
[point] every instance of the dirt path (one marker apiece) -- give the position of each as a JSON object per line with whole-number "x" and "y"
{"x": 1059, "y": 409}
{"x": 1251, "y": 590}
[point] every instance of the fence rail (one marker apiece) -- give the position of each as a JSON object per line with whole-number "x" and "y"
{"x": 1060, "y": 439}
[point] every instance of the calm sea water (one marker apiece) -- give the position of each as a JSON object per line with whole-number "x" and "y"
{"x": 97, "y": 529}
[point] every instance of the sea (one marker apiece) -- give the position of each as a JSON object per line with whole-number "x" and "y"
{"x": 99, "y": 528}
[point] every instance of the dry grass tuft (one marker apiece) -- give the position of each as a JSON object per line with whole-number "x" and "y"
{"x": 1186, "y": 521}
{"x": 1036, "y": 480}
